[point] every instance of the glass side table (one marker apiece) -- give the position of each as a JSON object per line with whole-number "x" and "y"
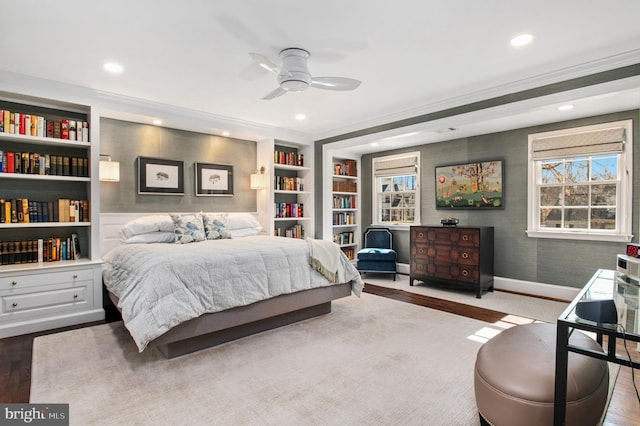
{"x": 605, "y": 284}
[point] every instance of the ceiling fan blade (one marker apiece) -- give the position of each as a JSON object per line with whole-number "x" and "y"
{"x": 335, "y": 83}
{"x": 274, "y": 94}
{"x": 265, "y": 62}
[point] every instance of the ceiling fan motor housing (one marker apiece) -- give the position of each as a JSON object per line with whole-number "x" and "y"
{"x": 294, "y": 76}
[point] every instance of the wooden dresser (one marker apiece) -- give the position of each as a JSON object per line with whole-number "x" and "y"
{"x": 458, "y": 256}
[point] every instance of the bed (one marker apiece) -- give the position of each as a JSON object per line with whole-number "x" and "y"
{"x": 180, "y": 298}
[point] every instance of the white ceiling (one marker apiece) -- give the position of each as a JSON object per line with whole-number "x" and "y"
{"x": 413, "y": 57}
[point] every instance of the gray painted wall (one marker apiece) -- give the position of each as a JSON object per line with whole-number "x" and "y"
{"x": 125, "y": 141}
{"x": 553, "y": 261}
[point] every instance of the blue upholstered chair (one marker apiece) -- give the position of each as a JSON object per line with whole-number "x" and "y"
{"x": 378, "y": 254}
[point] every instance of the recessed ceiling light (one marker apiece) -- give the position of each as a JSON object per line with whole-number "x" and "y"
{"x": 225, "y": 133}
{"x": 566, "y": 107}
{"x": 113, "y": 67}
{"x": 157, "y": 122}
{"x": 521, "y": 40}
{"x": 301, "y": 117}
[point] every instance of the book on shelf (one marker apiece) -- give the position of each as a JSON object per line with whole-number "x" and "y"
{"x": 40, "y": 126}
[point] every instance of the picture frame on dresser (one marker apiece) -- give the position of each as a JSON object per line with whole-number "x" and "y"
{"x": 214, "y": 180}
{"x": 477, "y": 185}
{"x": 159, "y": 176}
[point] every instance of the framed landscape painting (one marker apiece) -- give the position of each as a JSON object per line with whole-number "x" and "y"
{"x": 477, "y": 185}
{"x": 160, "y": 177}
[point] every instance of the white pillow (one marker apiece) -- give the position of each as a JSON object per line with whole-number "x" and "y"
{"x": 243, "y": 220}
{"x": 152, "y": 237}
{"x": 188, "y": 227}
{"x": 145, "y": 224}
{"x": 244, "y": 232}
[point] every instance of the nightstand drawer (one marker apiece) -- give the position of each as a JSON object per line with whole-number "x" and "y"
{"x": 69, "y": 276}
{"x": 12, "y": 305}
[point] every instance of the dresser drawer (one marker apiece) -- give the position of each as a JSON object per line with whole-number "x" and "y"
{"x": 451, "y": 272}
{"x": 444, "y": 253}
{"x": 69, "y": 276}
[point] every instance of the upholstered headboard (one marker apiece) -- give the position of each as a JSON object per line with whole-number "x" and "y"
{"x": 111, "y": 223}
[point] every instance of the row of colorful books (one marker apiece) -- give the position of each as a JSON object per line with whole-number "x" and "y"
{"x": 296, "y": 231}
{"x": 21, "y": 210}
{"x": 347, "y": 168}
{"x": 40, "y": 250}
{"x": 349, "y": 252}
{"x": 288, "y": 210}
{"x": 43, "y": 164}
{"x": 35, "y": 125}
{"x": 344, "y": 218}
{"x": 344, "y": 202}
{"x": 284, "y": 183}
{"x": 288, "y": 158}
{"x": 344, "y": 238}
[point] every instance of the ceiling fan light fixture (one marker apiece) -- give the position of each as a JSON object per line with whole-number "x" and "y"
{"x": 294, "y": 85}
{"x": 294, "y": 76}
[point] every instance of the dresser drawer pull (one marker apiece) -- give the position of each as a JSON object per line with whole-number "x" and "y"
{"x": 14, "y": 305}
{"x": 75, "y": 276}
{"x": 465, "y": 272}
{"x": 14, "y": 282}
{"x": 420, "y": 234}
{"x": 465, "y": 238}
{"x": 75, "y": 296}
{"x": 465, "y": 255}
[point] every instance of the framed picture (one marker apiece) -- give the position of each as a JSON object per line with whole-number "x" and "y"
{"x": 477, "y": 185}
{"x": 214, "y": 179}
{"x": 159, "y": 176}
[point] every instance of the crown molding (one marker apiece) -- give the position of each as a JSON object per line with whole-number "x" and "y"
{"x": 121, "y": 107}
{"x": 565, "y": 74}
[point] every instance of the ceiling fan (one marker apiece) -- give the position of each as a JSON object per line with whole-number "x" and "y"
{"x": 293, "y": 75}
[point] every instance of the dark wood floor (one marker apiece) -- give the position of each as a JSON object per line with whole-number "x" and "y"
{"x": 15, "y": 357}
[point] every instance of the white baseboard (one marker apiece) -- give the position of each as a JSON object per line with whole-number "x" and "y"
{"x": 520, "y": 286}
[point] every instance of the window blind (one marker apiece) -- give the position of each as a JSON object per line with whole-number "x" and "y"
{"x": 595, "y": 142}
{"x": 396, "y": 166}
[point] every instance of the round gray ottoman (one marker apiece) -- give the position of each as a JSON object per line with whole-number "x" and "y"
{"x": 515, "y": 377}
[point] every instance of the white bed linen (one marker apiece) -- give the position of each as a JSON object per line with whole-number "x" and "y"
{"x": 162, "y": 285}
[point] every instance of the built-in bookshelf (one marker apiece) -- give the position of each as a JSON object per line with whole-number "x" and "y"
{"x": 290, "y": 174}
{"x": 345, "y": 215}
{"x": 50, "y": 273}
{"x": 285, "y": 204}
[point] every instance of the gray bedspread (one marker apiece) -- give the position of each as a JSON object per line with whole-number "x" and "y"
{"x": 162, "y": 285}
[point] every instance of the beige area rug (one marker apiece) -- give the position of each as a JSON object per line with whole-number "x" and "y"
{"x": 525, "y": 306}
{"x": 371, "y": 361}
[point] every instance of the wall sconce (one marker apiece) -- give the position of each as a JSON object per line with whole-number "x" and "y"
{"x": 259, "y": 179}
{"x": 109, "y": 170}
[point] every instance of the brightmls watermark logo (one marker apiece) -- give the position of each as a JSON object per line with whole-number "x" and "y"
{"x": 34, "y": 414}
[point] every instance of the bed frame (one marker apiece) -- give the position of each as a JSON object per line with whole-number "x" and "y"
{"x": 219, "y": 327}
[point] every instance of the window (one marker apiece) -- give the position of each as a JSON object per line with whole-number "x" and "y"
{"x": 396, "y": 195}
{"x": 580, "y": 183}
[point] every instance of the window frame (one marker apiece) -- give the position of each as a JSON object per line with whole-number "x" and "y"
{"x": 624, "y": 195}
{"x": 376, "y": 214}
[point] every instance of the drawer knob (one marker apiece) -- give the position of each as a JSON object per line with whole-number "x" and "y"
{"x": 14, "y": 304}
{"x": 465, "y": 272}
{"x": 75, "y": 276}
{"x": 75, "y": 296}
{"x": 465, "y": 237}
{"x": 420, "y": 234}
{"x": 465, "y": 255}
{"x": 14, "y": 282}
